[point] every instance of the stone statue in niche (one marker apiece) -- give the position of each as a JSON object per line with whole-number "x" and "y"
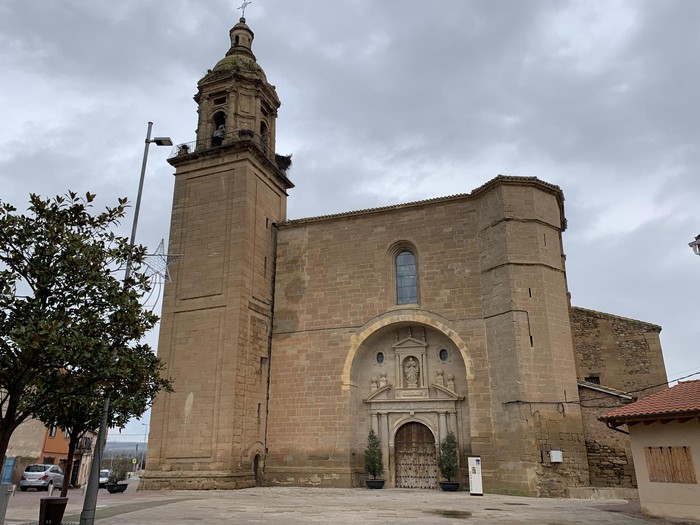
{"x": 411, "y": 372}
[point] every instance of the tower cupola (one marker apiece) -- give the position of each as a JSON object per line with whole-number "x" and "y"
{"x": 241, "y": 39}
{"x": 236, "y": 102}
{"x": 240, "y": 55}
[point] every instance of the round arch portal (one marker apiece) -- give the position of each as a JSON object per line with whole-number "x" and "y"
{"x": 415, "y": 457}
{"x": 402, "y": 316}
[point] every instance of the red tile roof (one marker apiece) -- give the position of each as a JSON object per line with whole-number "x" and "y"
{"x": 682, "y": 399}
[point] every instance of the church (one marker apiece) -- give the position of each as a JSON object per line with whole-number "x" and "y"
{"x": 288, "y": 340}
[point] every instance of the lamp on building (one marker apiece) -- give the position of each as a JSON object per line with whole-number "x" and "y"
{"x": 695, "y": 245}
{"x": 87, "y": 516}
{"x": 162, "y": 141}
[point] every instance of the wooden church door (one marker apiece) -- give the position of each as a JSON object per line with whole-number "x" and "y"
{"x": 414, "y": 448}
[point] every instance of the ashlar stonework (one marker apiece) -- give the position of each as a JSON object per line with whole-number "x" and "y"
{"x": 288, "y": 340}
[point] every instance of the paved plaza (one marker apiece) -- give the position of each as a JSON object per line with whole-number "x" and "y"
{"x": 293, "y": 505}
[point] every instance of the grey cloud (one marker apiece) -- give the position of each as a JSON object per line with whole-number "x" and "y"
{"x": 389, "y": 101}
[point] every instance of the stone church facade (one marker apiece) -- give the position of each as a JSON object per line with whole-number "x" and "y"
{"x": 288, "y": 340}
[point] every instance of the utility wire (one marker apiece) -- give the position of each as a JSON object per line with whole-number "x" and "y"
{"x": 578, "y": 402}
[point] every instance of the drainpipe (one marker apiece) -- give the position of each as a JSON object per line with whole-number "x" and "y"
{"x": 611, "y": 427}
{"x": 273, "y": 230}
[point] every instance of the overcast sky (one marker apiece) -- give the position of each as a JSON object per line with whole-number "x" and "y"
{"x": 392, "y": 101}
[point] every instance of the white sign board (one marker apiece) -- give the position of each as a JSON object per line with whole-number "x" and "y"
{"x": 475, "y": 485}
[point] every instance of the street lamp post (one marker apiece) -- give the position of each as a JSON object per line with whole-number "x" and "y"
{"x": 87, "y": 516}
{"x": 695, "y": 245}
{"x": 143, "y": 451}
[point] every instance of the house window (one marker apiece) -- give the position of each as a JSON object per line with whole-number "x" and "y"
{"x": 670, "y": 464}
{"x": 380, "y": 357}
{"x": 52, "y": 431}
{"x": 49, "y": 460}
{"x": 66, "y": 434}
{"x": 443, "y": 354}
{"x": 593, "y": 379}
{"x": 406, "y": 278}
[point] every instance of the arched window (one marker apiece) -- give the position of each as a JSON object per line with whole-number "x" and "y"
{"x": 219, "y": 132}
{"x": 406, "y": 278}
{"x": 219, "y": 119}
{"x": 264, "y": 135}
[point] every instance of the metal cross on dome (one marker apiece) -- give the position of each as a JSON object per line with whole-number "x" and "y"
{"x": 245, "y": 4}
{"x": 159, "y": 261}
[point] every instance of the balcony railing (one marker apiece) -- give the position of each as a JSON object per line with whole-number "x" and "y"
{"x": 211, "y": 143}
{"x": 84, "y": 444}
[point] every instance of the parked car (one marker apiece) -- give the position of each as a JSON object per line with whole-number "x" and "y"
{"x": 41, "y": 477}
{"x": 104, "y": 477}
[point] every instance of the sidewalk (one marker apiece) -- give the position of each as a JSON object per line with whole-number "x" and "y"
{"x": 294, "y": 505}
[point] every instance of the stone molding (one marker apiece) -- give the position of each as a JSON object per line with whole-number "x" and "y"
{"x": 417, "y": 316}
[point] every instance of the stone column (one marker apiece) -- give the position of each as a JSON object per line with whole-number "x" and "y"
{"x": 453, "y": 424}
{"x": 384, "y": 437}
{"x": 399, "y": 373}
{"x": 442, "y": 426}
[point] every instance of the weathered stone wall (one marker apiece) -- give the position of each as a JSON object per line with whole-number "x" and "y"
{"x": 529, "y": 341}
{"x": 215, "y": 323}
{"x": 609, "y": 452}
{"x": 625, "y": 354}
{"x": 334, "y": 277}
{"x": 491, "y": 279}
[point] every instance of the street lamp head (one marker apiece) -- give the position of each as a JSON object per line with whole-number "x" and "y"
{"x": 162, "y": 141}
{"x": 695, "y": 245}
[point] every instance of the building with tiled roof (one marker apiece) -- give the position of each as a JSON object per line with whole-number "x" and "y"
{"x": 664, "y": 430}
{"x": 677, "y": 403}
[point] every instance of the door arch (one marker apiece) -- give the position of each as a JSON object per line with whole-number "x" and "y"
{"x": 414, "y": 455}
{"x": 256, "y": 469}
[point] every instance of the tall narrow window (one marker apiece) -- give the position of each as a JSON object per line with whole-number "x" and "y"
{"x": 406, "y": 283}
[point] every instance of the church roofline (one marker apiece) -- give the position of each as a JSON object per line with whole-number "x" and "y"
{"x": 499, "y": 180}
{"x": 602, "y": 315}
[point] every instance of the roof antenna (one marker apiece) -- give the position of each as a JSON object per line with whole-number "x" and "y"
{"x": 242, "y": 8}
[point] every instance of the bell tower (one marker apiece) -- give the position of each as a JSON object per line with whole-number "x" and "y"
{"x": 230, "y": 189}
{"x": 235, "y": 100}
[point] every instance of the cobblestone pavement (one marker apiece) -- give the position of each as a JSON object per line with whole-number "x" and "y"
{"x": 292, "y": 506}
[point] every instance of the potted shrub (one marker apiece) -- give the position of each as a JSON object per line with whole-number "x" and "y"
{"x": 373, "y": 461}
{"x": 120, "y": 469}
{"x": 448, "y": 463}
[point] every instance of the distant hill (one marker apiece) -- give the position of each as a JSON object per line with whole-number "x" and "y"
{"x": 134, "y": 449}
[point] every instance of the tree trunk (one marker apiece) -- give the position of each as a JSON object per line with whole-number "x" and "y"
{"x": 8, "y": 424}
{"x": 69, "y": 463}
{"x": 4, "y": 443}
